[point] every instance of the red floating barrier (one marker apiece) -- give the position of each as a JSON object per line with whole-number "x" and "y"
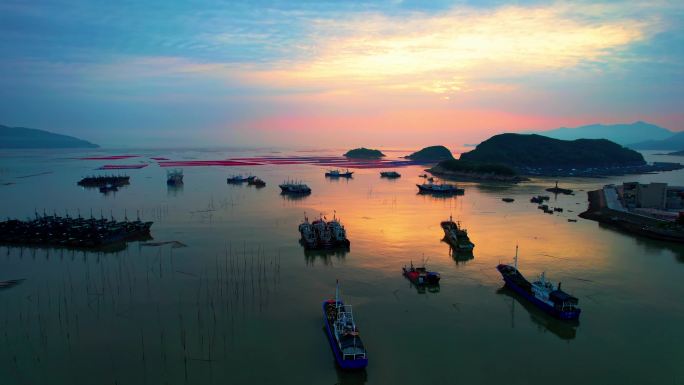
{"x": 122, "y": 166}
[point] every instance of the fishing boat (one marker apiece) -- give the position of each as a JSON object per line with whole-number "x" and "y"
{"x": 441, "y": 188}
{"x": 339, "y": 174}
{"x": 104, "y": 180}
{"x": 539, "y": 199}
{"x": 456, "y": 236}
{"x": 420, "y": 275}
{"x": 541, "y": 292}
{"x": 343, "y": 334}
{"x": 508, "y": 200}
{"x": 293, "y": 187}
{"x": 389, "y": 174}
{"x": 256, "y": 182}
{"x": 174, "y": 177}
{"x": 322, "y": 234}
{"x": 236, "y": 179}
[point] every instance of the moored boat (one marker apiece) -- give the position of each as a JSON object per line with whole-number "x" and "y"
{"x": 256, "y": 182}
{"x": 420, "y": 275}
{"x": 292, "y": 187}
{"x": 389, "y": 174}
{"x": 441, "y": 188}
{"x": 174, "y": 177}
{"x": 343, "y": 335}
{"x": 541, "y": 292}
{"x": 237, "y": 179}
{"x": 339, "y": 174}
{"x": 456, "y": 235}
{"x": 322, "y": 234}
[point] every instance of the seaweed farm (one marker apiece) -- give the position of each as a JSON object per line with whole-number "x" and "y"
{"x": 221, "y": 290}
{"x": 190, "y": 332}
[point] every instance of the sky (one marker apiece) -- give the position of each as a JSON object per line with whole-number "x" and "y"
{"x": 336, "y": 73}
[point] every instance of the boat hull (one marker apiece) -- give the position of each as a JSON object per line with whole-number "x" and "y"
{"x": 355, "y": 364}
{"x": 454, "y": 191}
{"x": 563, "y": 315}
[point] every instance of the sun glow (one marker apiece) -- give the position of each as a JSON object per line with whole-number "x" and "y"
{"x": 453, "y": 52}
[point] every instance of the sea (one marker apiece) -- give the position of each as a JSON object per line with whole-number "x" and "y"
{"x": 225, "y": 294}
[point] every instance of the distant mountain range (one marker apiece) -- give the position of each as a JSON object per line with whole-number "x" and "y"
{"x": 21, "y": 137}
{"x": 624, "y": 134}
{"x": 673, "y": 142}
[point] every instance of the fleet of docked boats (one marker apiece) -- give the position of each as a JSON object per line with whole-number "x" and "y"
{"x": 53, "y": 230}
{"x": 322, "y": 234}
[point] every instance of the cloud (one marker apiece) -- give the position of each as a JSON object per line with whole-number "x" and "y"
{"x": 455, "y": 50}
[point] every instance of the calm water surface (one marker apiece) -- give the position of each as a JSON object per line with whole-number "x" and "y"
{"x": 241, "y": 303}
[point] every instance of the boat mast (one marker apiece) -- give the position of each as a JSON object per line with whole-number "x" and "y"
{"x": 515, "y": 260}
{"x": 337, "y": 292}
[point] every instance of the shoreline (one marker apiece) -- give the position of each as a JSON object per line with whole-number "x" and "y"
{"x": 476, "y": 177}
{"x": 635, "y": 224}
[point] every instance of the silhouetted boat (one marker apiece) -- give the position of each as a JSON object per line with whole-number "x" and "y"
{"x": 320, "y": 234}
{"x": 442, "y": 188}
{"x": 292, "y": 187}
{"x": 389, "y": 174}
{"x": 541, "y": 292}
{"x": 339, "y": 174}
{"x": 174, "y": 177}
{"x": 456, "y": 236}
{"x": 343, "y": 334}
{"x": 236, "y": 179}
{"x": 256, "y": 182}
{"x": 558, "y": 190}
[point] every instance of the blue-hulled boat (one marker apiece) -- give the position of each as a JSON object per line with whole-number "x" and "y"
{"x": 541, "y": 292}
{"x": 343, "y": 334}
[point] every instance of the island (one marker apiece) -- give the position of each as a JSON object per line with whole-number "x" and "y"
{"x": 431, "y": 154}
{"x": 27, "y": 138}
{"x": 364, "y": 153}
{"x": 676, "y": 153}
{"x": 471, "y": 170}
{"x": 531, "y": 154}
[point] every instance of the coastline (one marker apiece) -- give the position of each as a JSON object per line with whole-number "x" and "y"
{"x": 653, "y": 228}
{"x": 470, "y": 176}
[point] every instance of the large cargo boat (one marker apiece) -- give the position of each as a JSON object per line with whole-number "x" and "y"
{"x": 541, "y": 292}
{"x": 343, "y": 334}
{"x": 456, "y": 235}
